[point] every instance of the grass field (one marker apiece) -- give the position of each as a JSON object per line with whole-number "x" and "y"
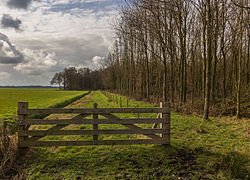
{"x": 37, "y": 98}
{"x": 213, "y": 149}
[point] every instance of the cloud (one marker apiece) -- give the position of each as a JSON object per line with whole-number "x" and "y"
{"x": 36, "y": 62}
{"x": 97, "y": 60}
{"x": 19, "y": 4}
{"x": 56, "y": 34}
{"x": 8, "y": 53}
{"x": 9, "y": 22}
{"x": 57, "y": 2}
{"x": 4, "y": 75}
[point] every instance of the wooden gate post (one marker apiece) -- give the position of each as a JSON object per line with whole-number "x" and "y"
{"x": 95, "y": 126}
{"x": 138, "y": 114}
{"x": 22, "y": 116}
{"x": 166, "y": 125}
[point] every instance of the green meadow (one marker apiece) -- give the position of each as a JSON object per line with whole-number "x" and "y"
{"x": 37, "y": 98}
{"x": 214, "y": 149}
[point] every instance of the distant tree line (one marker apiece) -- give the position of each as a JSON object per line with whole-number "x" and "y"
{"x": 78, "y": 79}
{"x": 192, "y": 53}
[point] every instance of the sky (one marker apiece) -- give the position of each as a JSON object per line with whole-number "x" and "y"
{"x": 41, "y": 37}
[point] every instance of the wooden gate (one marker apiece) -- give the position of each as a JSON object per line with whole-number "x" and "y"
{"x": 28, "y": 137}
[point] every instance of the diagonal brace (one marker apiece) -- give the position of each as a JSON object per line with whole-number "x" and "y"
{"x": 57, "y": 127}
{"x": 131, "y": 126}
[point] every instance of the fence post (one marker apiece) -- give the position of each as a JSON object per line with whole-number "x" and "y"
{"x": 22, "y": 116}
{"x": 166, "y": 125}
{"x": 138, "y": 114}
{"x": 127, "y": 103}
{"x": 120, "y": 101}
{"x": 95, "y": 126}
{"x": 116, "y": 100}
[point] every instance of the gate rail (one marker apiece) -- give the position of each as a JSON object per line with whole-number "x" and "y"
{"x": 28, "y": 138}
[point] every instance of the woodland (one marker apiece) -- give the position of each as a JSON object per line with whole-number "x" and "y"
{"x": 193, "y": 54}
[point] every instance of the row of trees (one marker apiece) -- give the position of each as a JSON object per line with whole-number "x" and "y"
{"x": 78, "y": 79}
{"x": 182, "y": 51}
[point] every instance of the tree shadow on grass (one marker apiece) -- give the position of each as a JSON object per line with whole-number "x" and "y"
{"x": 134, "y": 162}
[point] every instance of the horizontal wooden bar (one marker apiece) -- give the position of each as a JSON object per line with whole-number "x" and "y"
{"x": 96, "y": 111}
{"x": 89, "y": 132}
{"x": 59, "y": 127}
{"x": 82, "y": 143}
{"x": 92, "y": 121}
{"x": 130, "y": 126}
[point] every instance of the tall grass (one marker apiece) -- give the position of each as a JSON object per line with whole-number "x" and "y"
{"x": 8, "y": 152}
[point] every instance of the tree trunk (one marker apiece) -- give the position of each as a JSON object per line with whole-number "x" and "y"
{"x": 204, "y": 59}
{"x": 209, "y": 59}
{"x": 239, "y": 64}
{"x": 215, "y": 39}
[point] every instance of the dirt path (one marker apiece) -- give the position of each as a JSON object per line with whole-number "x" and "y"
{"x": 80, "y": 103}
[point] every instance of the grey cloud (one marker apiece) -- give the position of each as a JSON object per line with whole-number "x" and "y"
{"x": 37, "y": 62}
{"x": 44, "y": 57}
{"x": 8, "y": 53}
{"x": 20, "y": 79}
{"x": 19, "y": 4}
{"x": 9, "y": 22}
{"x": 10, "y": 60}
{"x": 71, "y": 51}
{"x": 3, "y": 37}
{"x": 79, "y": 51}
